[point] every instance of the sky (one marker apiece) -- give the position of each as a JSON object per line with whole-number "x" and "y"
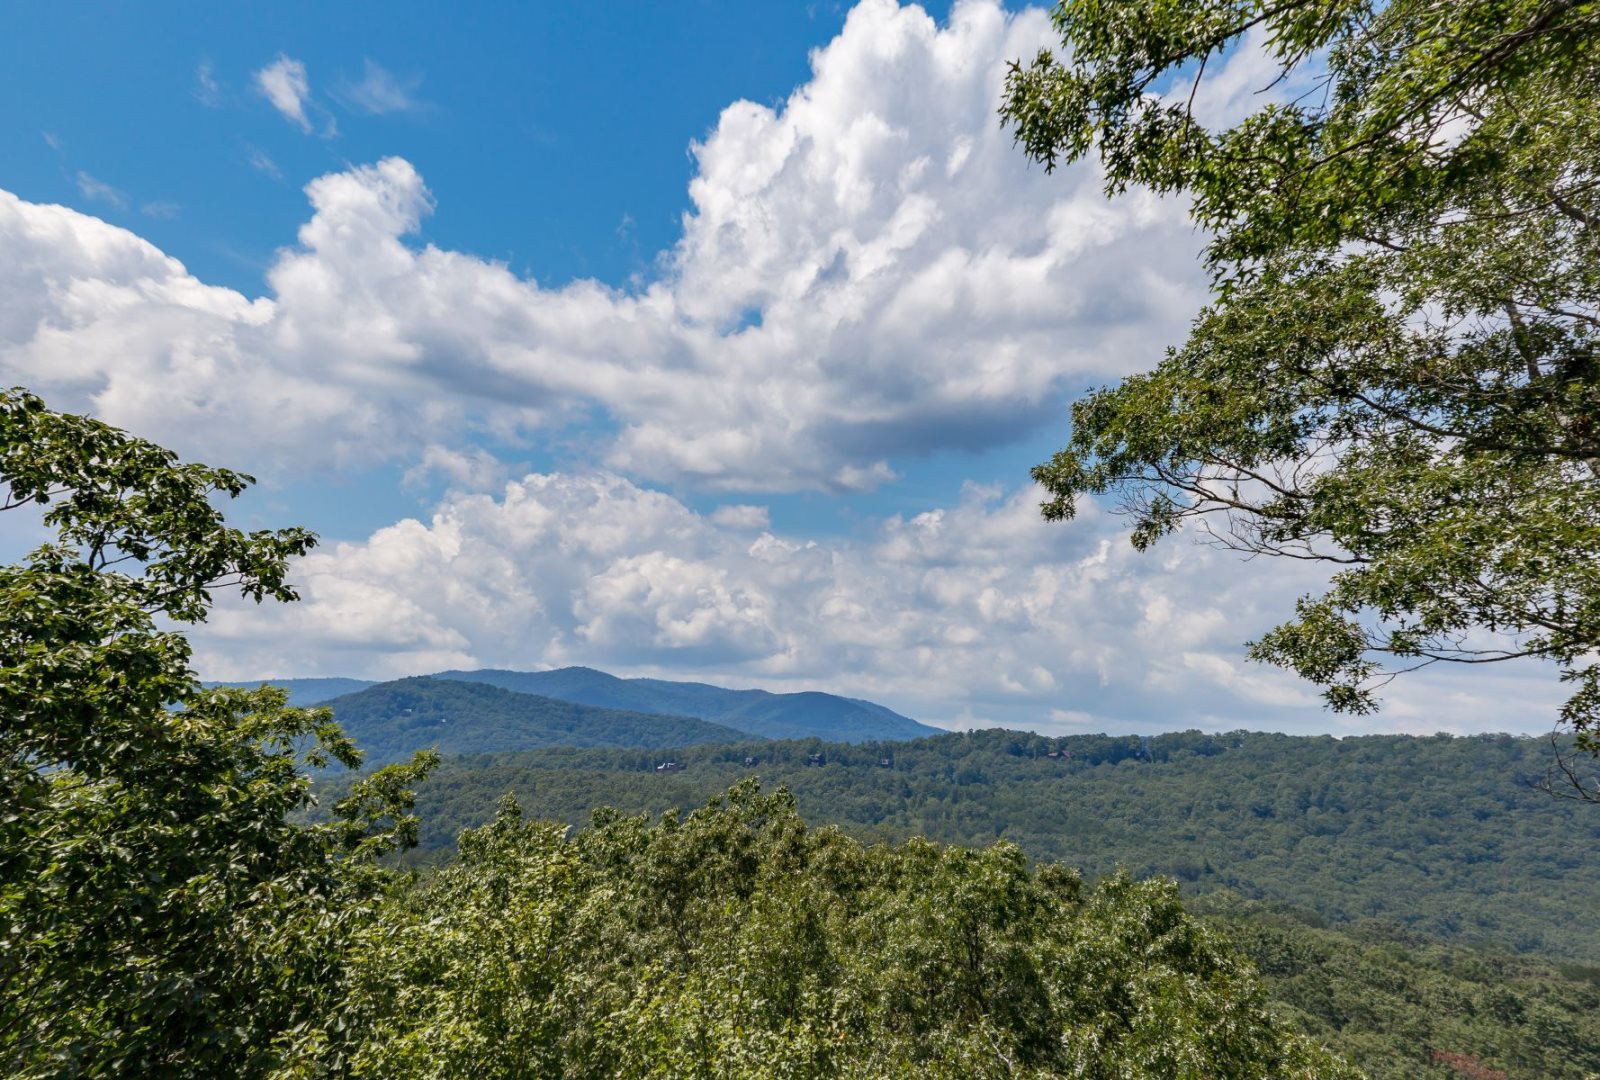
{"x": 706, "y": 340}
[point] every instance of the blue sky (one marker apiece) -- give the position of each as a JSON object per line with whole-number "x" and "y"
{"x": 701, "y": 340}
{"x": 580, "y": 118}
{"x": 581, "y": 115}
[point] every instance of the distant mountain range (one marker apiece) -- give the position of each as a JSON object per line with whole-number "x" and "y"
{"x": 389, "y": 721}
{"x": 372, "y": 712}
{"x": 755, "y": 712}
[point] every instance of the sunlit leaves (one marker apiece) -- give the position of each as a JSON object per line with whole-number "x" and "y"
{"x": 161, "y": 910}
{"x": 736, "y": 942}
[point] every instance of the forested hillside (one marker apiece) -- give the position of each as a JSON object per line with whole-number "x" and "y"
{"x": 809, "y": 714}
{"x": 1443, "y": 836}
{"x": 1402, "y": 1006}
{"x": 393, "y": 720}
{"x": 1378, "y": 883}
{"x": 736, "y": 941}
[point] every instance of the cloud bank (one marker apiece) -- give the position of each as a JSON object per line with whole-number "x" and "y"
{"x": 976, "y": 613}
{"x": 868, "y": 273}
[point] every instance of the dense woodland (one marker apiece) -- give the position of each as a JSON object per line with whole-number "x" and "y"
{"x": 735, "y": 941}
{"x": 1448, "y": 837}
{"x": 1399, "y": 1005}
{"x": 1380, "y": 885}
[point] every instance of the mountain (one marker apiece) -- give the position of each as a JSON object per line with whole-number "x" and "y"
{"x": 803, "y": 715}
{"x": 304, "y": 692}
{"x": 391, "y": 720}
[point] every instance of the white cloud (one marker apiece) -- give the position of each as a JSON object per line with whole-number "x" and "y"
{"x": 381, "y": 91}
{"x": 161, "y": 209}
{"x": 100, "y": 191}
{"x": 869, "y": 272}
{"x": 741, "y": 517}
{"x": 285, "y": 85}
{"x": 974, "y": 613}
{"x": 470, "y": 470}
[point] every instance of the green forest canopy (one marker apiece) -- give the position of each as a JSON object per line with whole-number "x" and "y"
{"x": 1448, "y": 837}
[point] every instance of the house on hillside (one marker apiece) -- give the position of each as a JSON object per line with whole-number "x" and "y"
{"x": 669, "y": 766}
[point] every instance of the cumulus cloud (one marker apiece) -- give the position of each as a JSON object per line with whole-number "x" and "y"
{"x": 972, "y": 613}
{"x": 868, "y": 272}
{"x": 472, "y": 470}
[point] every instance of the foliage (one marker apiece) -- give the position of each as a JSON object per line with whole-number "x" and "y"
{"x": 1400, "y": 1006}
{"x": 159, "y": 913}
{"x": 1399, "y": 373}
{"x": 393, "y": 720}
{"x": 737, "y": 942}
{"x": 302, "y": 693}
{"x": 1443, "y": 836}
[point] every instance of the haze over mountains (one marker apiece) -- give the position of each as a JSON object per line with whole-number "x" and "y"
{"x": 740, "y": 713}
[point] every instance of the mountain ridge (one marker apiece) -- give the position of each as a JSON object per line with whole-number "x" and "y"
{"x": 389, "y": 721}
{"x": 751, "y": 712}
{"x": 799, "y": 715}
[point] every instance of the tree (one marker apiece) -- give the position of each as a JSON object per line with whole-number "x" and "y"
{"x": 161, "y": 911}
{"x": 736, "y": 942}
{"x": 1398, "y": 374}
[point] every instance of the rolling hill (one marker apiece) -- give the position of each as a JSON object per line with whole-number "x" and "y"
{"x": 1378, "y": 883}
{"x": 1441, "y": 836}
{"x": 757, "y": 712}
{"x": 805, "y": 715}
{"x": 391, "y": 720}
